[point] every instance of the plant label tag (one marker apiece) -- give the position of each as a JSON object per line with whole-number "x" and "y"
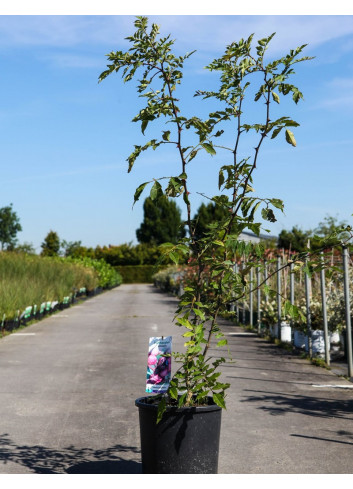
{"x": 159, "y": 364}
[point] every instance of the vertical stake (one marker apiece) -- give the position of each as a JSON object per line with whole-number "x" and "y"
{"x": 308, "y": 312}
{"x": 279, "y": 315}
{"x": 242, "y": 265}
{"x": 232, "y": 293}
{"x": 258, "y": 301}
{"x": 237, "y": 303}
{"x": 265, "y": 277}
{"x": 324, "y": 311}
{"x": 291, "y": 290}
{"x": 348, "y": 312}
{"x": 251, "y": 299}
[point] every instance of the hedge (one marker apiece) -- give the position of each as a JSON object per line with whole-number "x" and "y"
{"x": 137, "y": 274}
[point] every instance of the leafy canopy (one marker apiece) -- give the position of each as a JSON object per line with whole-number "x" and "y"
{"x": 51, "y": 244}
{"x": 161, "y": 222}
{"x": 9, "y": 227}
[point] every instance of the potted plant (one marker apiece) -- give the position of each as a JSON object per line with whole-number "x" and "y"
{"x": 269, "y": 317}
{"x": 336, "y": 313}
{"x": 301, "y": 339}
{"x": 300, "y": 336}
{"x": 176, "y": 434}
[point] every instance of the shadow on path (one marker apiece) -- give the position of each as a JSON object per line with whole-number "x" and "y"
{"x": 281, "y": 404}
{"x": 118, "y": 459}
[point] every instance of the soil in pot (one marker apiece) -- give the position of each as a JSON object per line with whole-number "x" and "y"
{"x": 185, "y": 441}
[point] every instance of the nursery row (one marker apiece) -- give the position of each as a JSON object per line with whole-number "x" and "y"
{"x": 32, "y": 286}
{"x": 321, "y": 299}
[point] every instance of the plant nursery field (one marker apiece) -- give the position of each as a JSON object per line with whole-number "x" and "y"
{"x": 28, "y": 280}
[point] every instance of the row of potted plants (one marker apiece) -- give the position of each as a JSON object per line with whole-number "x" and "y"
{"x": 35, "y": 312}
{"x": 173, "y": 278}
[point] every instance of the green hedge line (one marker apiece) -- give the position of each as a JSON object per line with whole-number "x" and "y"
{"x": 137, "y": 274}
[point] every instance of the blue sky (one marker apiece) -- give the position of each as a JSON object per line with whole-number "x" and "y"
{"x": 65, "y": 138}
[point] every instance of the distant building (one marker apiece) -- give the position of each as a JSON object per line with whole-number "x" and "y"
{"x": 247, "y": 236}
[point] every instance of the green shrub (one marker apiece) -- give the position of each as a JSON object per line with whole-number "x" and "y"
{"x": 50, "y": 280}
{"x": 169, "y": 279}
{"x": 138, "y": 274}
{"x": 107, "y": 275}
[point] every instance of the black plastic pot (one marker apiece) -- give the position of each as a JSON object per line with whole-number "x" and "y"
{"x": 185, "y": 441}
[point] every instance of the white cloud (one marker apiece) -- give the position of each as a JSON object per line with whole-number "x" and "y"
{"x": 61, "y": 30}
{"x": 205, "y": 32}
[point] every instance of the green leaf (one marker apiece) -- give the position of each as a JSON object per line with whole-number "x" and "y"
{"x": 161, "y": 409}
{"x": 278, "y": 203}
{"x": 219, "y": 400}
{"x": 218, "y": 242}
{"x": 202, "y": 394}
{"x": 166, "y": 135}
{"x": 220, "y": 179}
{"x": 276, "y": 132}
{"x": 185, "y": 322}
{"x": 181, "y": 399}
{"x": 173, "y": 392}
{"x": 209, "y": 148}
{"x": 290, "y": 138}
{"x": 222, "y": 343}
{"x": 139, "y": 191}
{"x": 173, "y": 256}
{"x": 199, "y": 313}
{"x": 268, "y": 215}
{"x": 192, "y": 155}
{"x": 144, "y": 125}
{"x": 275, "y": 97}
{"x": 155, "y": 190}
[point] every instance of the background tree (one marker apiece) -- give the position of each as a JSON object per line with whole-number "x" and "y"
{"x": 75, "y": 249}
{"x": 51, "y": 244}
{"x": 162, "y": 222}
{"x": 26, "y": 248}
{"x": 9, "y": 227}
{"x": 206, "y": 215}
{"x": 295, "y": 240}
{"x": 329, "y": 226}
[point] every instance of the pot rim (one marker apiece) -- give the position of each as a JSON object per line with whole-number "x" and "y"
{"x": 142, "y": 404}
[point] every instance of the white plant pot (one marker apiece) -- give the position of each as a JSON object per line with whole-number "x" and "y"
{"x": 301, "y": 340}
{"x": 334, "y": 338}
{"x": 286, "y": 333}
{"x": 318, "y": 342}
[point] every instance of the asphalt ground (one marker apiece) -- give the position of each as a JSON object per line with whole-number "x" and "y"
{"x": 68, "y": 385}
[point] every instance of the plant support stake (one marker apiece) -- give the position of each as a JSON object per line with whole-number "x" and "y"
{"x": 308, "y": 312}
{"x": 279, "y": 297}
{"x": 291, "y": 287}
{"x": 348, "y": 315}
{"x": 251, "y": 300}
{"x": 237, "y": 303}
{"x": 265, "y": 277}
{"x": 324, "y": 311}
{"x": 231, "y": 308}
{"x": 258, "y": 301}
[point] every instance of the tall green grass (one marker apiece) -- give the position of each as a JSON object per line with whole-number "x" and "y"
{"x": 26, "y": 280}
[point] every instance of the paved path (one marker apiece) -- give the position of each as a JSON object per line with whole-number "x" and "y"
{"x": 68, "y": 385}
